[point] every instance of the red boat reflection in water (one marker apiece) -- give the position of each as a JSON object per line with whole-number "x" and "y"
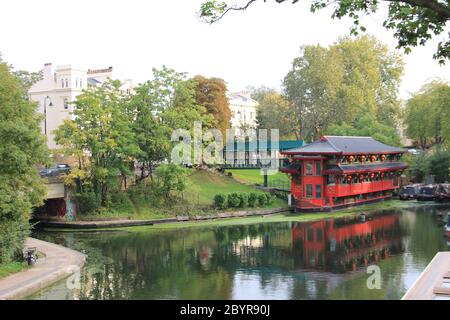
{"x": 345, "y": 244}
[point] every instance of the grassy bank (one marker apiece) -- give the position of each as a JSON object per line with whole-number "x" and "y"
{"x": 290, "y": 216}
{"x": 10, "y": 268}
{"x": 196, "y": 200}
{"x": 253, "y": 176}
{"x": 279, "y": 217}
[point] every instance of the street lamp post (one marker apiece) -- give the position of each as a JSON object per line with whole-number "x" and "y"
{"x": 45, "y": 112}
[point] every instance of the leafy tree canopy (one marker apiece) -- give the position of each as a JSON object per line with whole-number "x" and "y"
{"x": 22, "y": 149}
{"x": 413, "y": 21}
{"x": 274, "y": 112}
{"x": 428, "y": 115}
{"x": 211, "y": 94}
{"x": 342, "y": 83}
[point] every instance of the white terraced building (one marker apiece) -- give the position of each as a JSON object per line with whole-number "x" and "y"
{"x": 61, "y": 86}
{"x": 243, "y": 111}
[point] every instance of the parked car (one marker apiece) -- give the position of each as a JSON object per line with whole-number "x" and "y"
{"x": 408, "y": 192}
{"x": 55, "y": 170}
{"x": 426, "y": 193}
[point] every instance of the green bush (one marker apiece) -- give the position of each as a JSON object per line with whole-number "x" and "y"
{"x": 243, "y": 197}
{"x": 88, "y": 202}
{"x": 252, "y": 198}
{"x": 262, "y": 200}
{"x": 234, "y": 200}
{"x": 121, "y": 201}
{"x": 220, "y": 201}
{"x": 12, "y": 237}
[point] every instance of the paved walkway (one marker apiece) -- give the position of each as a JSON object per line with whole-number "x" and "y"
{"x": 59, "y": 263}
{"x": 129, "y": 223}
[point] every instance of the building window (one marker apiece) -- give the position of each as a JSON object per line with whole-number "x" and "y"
{"x": 318, "y": 191}
{"x": 309, "y": 169}
{"x": 67, "y": 83}
{"x": 81, "y": 83}
{"x": 318, "y": 168}
{"x": 66, "y": 103}
{"x": 76, "y": 82}
{"x": 309, "y": 190}
{"x": 62, "y": 83}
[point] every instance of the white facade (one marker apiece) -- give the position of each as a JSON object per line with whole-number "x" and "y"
{"x": 243, "y": 110}
{"x": 58, "y": 88}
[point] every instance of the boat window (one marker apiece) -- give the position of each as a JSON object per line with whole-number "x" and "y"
{"x": 318, "y": 168}
{"x": 309, "y": 190}
{"x": 318, "y": 191}
{"x": 309, "y": 169}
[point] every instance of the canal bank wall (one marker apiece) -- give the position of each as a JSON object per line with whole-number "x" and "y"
{"x": 133, "y": 223}
{"x": 59, "y": 263}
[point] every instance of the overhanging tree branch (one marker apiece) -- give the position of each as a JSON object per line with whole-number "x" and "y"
{"x": 439, "y": 8}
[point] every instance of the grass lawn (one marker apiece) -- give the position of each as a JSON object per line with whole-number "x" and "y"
{"x": 203, "y": 186}
{"x": 10, "y": 268}
{"x": 253, "y": 176}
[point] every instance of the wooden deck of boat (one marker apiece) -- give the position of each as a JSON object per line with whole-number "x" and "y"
{"x": 434, "y": 282}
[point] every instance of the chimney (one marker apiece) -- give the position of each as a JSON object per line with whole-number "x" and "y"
{"x": 48, "y": 71}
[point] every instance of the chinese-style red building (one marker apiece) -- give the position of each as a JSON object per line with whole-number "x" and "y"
{"x": 337, "y": 171}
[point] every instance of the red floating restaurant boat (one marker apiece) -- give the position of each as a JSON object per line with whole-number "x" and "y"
{"x": 339, "y": 171}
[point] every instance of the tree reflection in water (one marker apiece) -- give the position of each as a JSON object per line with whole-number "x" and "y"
{"x": 313, "y": 260}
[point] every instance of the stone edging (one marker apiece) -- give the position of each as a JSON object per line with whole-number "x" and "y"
{"x": 132, "y": 223}
{"x": 59, "y": 263}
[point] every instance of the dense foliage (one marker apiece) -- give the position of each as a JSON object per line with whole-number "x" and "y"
{"x": 348, "y": 88}
{"x": 242, "y": 200}
{"x": 22, "y": 148}
{"x": 436, "y": 164}
{"x": 113, "y": 131}
{"x": 428, "y": 115}
{"x": 211, "y": 94}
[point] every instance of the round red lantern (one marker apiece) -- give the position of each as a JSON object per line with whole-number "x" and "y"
{"x": 349, "y": 178}
{"x": 362, "y": 158}
{"x": 350, "y": 158}
{"x": 383, "y": 157}
{"x": 373, "y": 158}
{"x": 361, "y": 177}
{"x": 372, "y": 175}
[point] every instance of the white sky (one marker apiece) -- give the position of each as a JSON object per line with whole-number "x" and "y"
{"x": 255, "y": 47}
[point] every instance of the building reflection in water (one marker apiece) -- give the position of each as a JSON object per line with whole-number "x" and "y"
{"x": 343, "y": 245}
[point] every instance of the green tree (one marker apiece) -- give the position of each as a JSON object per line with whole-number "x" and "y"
{"x": 211, "y": 94}
{"x": 274, "y": 112}
{"x": 340, "y": 84}
{"x": 414, "y": 21}
{"x": 22, "y": 149}
{"x": 102, "y": 130}
{"x": 428, "y": 115}
{"x": 440, "y": 165}
{"x": 171, "y": 178}
{"x": 152, "y": 135}
{"x": 367, "y": 126}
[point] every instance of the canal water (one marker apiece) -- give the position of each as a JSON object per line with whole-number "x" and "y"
{"x": 378, "y": 257}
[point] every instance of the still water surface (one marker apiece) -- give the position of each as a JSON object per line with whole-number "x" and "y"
{"x": 326, "y": 259}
